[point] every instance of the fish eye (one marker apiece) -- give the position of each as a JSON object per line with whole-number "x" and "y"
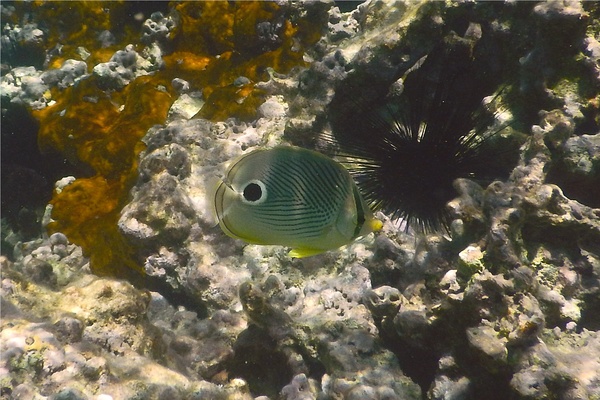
{"x": 254, "y": 192}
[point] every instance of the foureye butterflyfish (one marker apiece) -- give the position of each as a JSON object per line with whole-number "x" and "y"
{"x": 293, "y": 197}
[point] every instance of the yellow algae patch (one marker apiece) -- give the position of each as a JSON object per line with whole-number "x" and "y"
{"x": 105, "y": 134}
{"x": 231, "y": 45}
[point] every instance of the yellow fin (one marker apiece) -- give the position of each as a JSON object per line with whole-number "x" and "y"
{"x": 306, "y": 252}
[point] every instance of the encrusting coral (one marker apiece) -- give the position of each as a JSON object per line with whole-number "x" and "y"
{"x": 219, "y": 48}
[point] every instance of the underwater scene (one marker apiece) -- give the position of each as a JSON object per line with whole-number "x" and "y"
{"x": 300, "y": 200}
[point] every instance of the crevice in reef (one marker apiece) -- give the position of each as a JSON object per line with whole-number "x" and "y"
{"x": 484, "y": 385}
{"x": 262, "y": 362}
{"x": 420, "y": 365}
{"x": 258, "y": 361}
{"x": 28, "y": 174}
{"x": 584, "y": 189}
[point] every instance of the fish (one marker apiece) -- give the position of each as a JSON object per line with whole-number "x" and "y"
{"x": 294, "y": 197}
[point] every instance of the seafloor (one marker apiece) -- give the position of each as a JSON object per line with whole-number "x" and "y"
{"x": 118, "y": 116}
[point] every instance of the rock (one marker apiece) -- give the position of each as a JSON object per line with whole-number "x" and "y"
{"x": 69, "y": 394}
{"x": 530, "y": 383}
{"x": 301, "y": 388}
{"x": 40, "y": 271}
{"x": 24, "y": 85}
{"x": 69, "y": 330}
{"x": 67, "y": 75}
{"x": 488, "y": 346}
{"x": 582, "y": 153}
{"x": 448, "y": 389}
{"x": 383, "y": 302}
{"x": 449, "y": 383}
{"x": 186, "y": 106}
{"x": 341, "y": 26}
{"x": 158, "y": 28}
{"x": 124, "y": 66}
{"x": 58, "y": 239}
{"x": 165, "y": 217}
{"x": 272, "y": 108}
{"x": 470, "y": 262}
{"x": 23, "y": 45}
{"x": 172, "y": 158}
{"x": 118, "y": 72}
{"x": 180, "y": 85}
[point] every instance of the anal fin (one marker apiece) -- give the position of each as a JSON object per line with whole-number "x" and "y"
{"x": 304, "y": 252}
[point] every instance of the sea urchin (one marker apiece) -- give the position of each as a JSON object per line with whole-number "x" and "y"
{"x": 406, "y": 150}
